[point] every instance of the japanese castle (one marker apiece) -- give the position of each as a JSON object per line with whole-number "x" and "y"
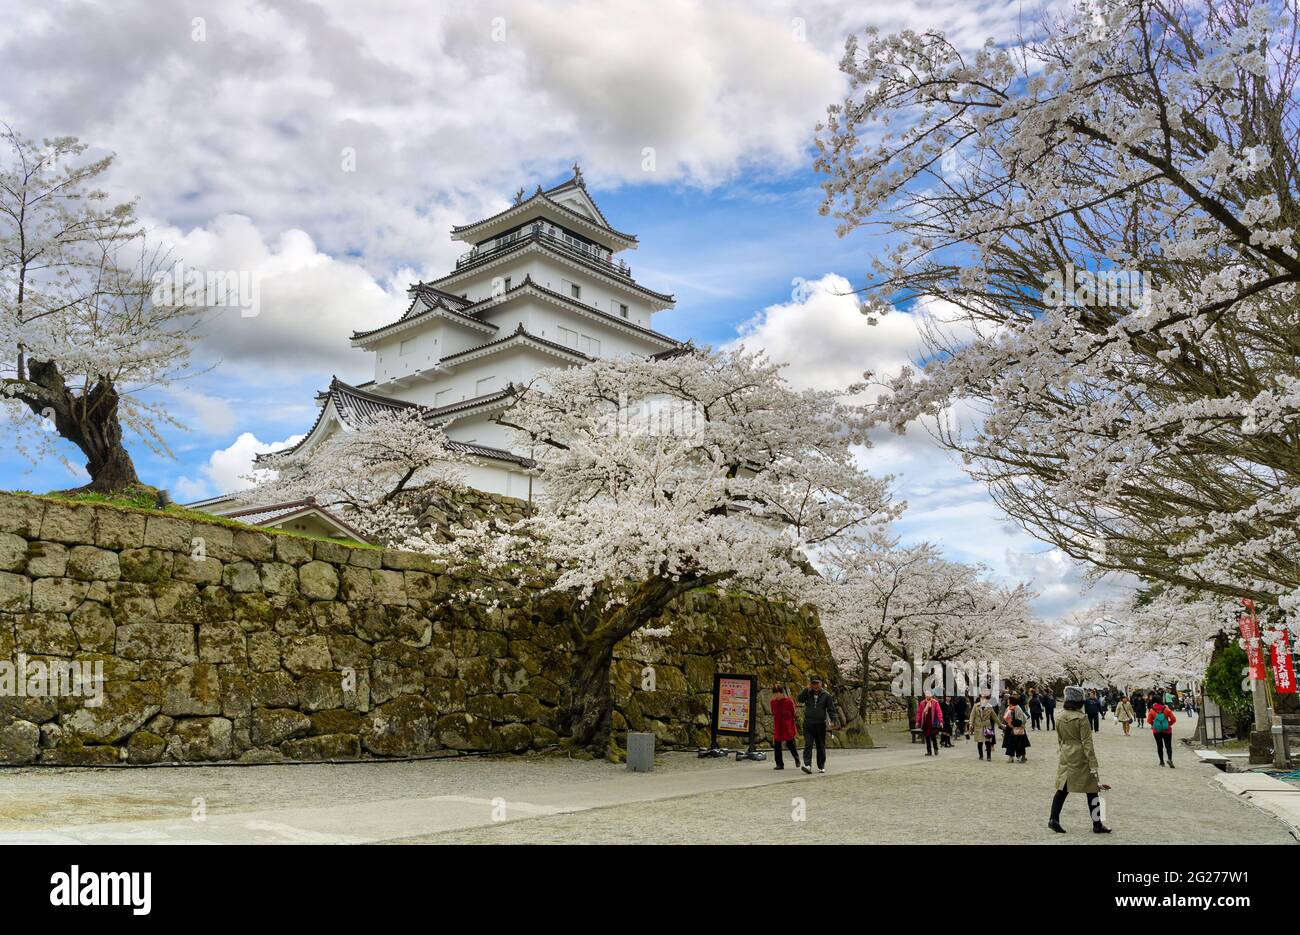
{"x": 539, "y": 287}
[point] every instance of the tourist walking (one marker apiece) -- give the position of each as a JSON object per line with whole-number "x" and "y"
{"x": 945, "y": 729}
{"x": 819, "y": 712}
{"x": 1015, "y": 737}
{"x": 1035, "y": 710}
{"x": 929, "y": 718}
{"x": 1162, "y": 720}
{"x": 1076, "y": 769}
{"x": 960, "y": 707}
{"x": 1092, "y": 708}
{"x": 984, "y": 724}
{"x": 1124, "y": 714}
{"x": 1049, "y": 710}
{"x": 1139, "y": 708}
{"x": 783, "y": 725}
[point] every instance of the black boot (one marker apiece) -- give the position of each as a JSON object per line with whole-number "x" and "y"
{"x": 1055, "y": 826}
{"x": 1099, "y": 828}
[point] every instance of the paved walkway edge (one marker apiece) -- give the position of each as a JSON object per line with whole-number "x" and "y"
{"x": 1273, "y": 796}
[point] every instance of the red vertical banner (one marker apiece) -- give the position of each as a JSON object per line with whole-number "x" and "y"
{"x": 1283, "y": 668}
{"x": 1249, "y": 628}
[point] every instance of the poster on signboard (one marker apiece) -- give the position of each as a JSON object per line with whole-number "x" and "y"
{"x": 733, "y": 704}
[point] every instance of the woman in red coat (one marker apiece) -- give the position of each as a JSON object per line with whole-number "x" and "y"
{"x": 929, "y": 718}
{"x": 783, "y": 729}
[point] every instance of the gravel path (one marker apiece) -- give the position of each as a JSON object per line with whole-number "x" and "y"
{"x": 33, "y": 797}
{"x": 894, "y": 795}
{"x": 954, "y": 798}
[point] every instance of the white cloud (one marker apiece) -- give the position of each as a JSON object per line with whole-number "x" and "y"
{"x": 824, "y": 340}
{"x": 211, "y": 415}
{"x": 441, "y": 110}
{"x": 1062, "y": 585}
{"x": 308, "y": 303}
{"x": 227, "y": 468}
{"x": 706, "y": 85}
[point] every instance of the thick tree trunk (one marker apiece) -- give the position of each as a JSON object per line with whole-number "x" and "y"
{"x": 591, "y": 706}
{"x": 90, "y": 421}
{"x": 596, "y": 632}
{"x": 866, "y": 680}
{"x": 113, "y": 469}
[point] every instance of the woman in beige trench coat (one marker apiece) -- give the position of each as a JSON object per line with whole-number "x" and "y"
{"x": 1077, "y": 769}
{"x": 1124, "y": 714}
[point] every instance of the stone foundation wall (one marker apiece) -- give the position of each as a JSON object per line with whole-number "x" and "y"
{"x": 230, "y": 644}
{"x": 712, "y": 633}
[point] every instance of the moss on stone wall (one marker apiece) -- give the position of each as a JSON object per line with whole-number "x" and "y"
{"x": 223, "y": 643}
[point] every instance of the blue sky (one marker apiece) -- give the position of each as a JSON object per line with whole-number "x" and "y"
{"x": 330, "y": 147}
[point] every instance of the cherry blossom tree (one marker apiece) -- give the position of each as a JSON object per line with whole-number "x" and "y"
{"x": 84, "y": 337}
{"x": 377, "y": 474}
{"x": 748, "y": 476}
{"x": 1161, "y": 636}
{"x": 910, "y": 603}
{"x": 1106, "y": 214}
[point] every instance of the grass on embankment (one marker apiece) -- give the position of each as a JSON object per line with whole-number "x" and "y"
{"x": 144, "y": 499}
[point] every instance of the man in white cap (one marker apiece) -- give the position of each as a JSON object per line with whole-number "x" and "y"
{"x": 1077, "y": 769}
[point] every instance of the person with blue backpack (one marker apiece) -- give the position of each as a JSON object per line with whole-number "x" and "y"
{"x": 1162, "y": 720}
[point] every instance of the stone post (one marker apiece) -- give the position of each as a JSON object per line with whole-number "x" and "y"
{"x": 1261, "y": 736}
{"x": 640, "y": 752}
{"x": 1279, "y": 743}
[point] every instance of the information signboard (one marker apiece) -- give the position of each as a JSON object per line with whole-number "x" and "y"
{"x": 733, "y": 704}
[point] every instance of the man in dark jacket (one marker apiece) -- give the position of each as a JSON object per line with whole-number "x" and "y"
{"x": 818, "y": 711}
{"x": 1049, "y": 709}
{"x": 1035, "y": 710}
{"x": 959, "y": 709}
{"x": 1092, "y": 708}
